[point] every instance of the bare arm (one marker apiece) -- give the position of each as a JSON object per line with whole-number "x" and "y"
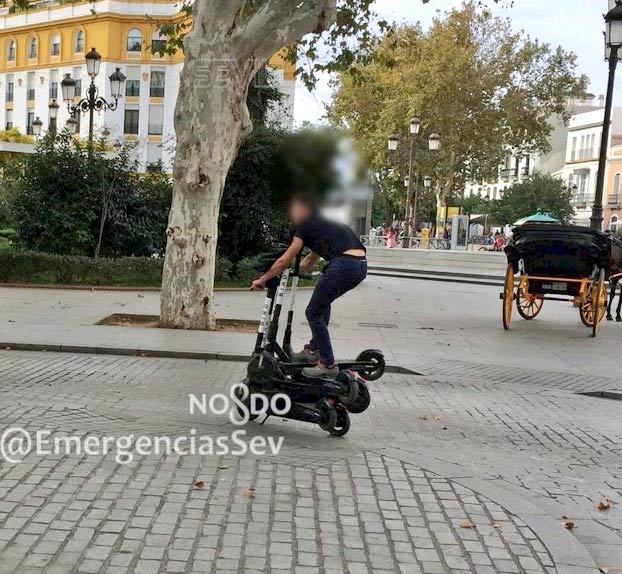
{"x": 280, "y": 264}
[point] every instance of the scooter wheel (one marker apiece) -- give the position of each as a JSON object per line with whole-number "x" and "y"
{"x": 362, "y": 402}
{"x": 342, "y": 425}
{"x": 376, "y": 369}
{"x": 239, "y": 393}
{"x": 330, "y": 415}
{"x": 349, "y": 379}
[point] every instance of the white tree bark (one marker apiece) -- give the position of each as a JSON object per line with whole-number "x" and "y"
{"x": 223, "y": 51}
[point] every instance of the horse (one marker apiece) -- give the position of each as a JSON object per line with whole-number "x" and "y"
{"x": 615, "y": 277}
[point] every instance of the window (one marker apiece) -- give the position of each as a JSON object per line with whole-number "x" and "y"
{"x": 53, "y": 84}
{"x": 10, "y": 88}
{"x": 9, "y": 119}
{"x": 77, "y": 76}
{"x": 32, "y": 48}
{"x": 55, "y": 45}
{"x": 30, "y": 86}
{"x": 573, "y": 156}
{"x": 11, "y": 51}
{"x": 78, "y": 42}
{"x": 158, "y": 43}
{"x": 614, "y": 198}
{"x": 130, "y": 125}
{"x": 132, "y": 84}
{"x": 134, "y": 40}
{"x": 156, "y": 120}
{"x": 156, "y": 88}
{"x": 30, "y": 117}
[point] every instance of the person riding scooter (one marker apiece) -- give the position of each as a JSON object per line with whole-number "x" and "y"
{"x": 346, "y": 267}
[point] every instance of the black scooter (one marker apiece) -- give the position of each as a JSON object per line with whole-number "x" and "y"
{"x": 271, "y": 370}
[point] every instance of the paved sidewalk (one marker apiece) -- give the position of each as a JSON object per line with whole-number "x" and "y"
{"x": 418, "y": 324}
{"x": 513, "y": 454}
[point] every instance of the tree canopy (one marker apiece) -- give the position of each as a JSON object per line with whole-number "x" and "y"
{"x": 540, "y": 192}
{"x": 482, "y": 86}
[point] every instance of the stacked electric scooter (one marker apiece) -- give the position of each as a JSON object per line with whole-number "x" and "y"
{"x": 271, "y": 370}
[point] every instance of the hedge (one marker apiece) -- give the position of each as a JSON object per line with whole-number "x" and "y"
{"x": 27, "y": 267}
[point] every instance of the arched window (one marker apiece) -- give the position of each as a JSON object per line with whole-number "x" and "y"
{"x": 78, "y": 41}
{"x": 613, "y": 223}
{"x": 11, "y": 51}
{"x": 134, "y": 40}
{"x": 55, "y": 44}
{"x": 616, "y": 185}
{"x": 32, "y": 48}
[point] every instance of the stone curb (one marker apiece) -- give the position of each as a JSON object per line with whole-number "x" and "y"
{"x": 569, "y": 555}
{"x": 160, "y": 353}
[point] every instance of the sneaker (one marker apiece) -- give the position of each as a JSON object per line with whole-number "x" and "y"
{"x": 321, "y": 372}
{"x": 307, "y": 355}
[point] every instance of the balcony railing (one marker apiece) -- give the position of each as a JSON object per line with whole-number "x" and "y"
{"x": 30, "y": 94}
{"x": 614, "y": 200}
{"x": 583, "y": 200}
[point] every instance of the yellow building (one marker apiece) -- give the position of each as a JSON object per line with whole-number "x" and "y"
{"x": 39, "y": 46}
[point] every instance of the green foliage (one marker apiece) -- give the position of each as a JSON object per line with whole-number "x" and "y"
{"x": 471, "y": 78}
{"x": 270, "y": 165}
{"x": 539, "y": 192}
{"x": 70, "y": 202}
{"x": 33, "y": 268}
{"x": 14, "y": 136}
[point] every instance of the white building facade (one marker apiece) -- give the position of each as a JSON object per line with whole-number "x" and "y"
{"x": 40, "y": 45}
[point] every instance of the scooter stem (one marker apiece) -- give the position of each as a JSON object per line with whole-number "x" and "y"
{"x": 287, "y": 337}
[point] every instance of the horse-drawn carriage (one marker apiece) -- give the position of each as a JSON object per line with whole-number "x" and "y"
{"x": 559, "y": 263}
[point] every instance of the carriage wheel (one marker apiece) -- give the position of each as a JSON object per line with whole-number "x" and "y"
{"x": 508, "y": 296}
{"x": 600, "y": 301}
{"x": 528, "y": 305}
{"x": 595, "y": 304}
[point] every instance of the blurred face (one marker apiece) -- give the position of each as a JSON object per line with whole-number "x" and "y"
{"x": 298, "y": 211}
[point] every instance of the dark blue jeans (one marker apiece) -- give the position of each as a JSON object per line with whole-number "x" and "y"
{"x": 340, "y": 276}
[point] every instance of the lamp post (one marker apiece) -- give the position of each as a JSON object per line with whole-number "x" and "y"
{"x": 93, "y": 101}
{"x": 434, "y": 142}
{"x": 53, "y": 109}
{"x": 37, "y": 124}
{"x": 613, "y": 44}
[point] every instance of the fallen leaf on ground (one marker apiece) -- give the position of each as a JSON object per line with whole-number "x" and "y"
{"x": 222, "y": 467}
{"x": 199, "y": 484}
{"x": 604, "y": 504}
{"x": 496, "y": 525}
{"x": 568, "y": 525}
{"x": 604, "y": 569}
{"x": 250, "y": 493}
{"x": 467, "y": 524}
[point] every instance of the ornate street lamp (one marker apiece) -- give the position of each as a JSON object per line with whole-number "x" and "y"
{"x": 93, "y": 102}
{"x": 53, "y": 112}
{"x": 434, "y": 142}
{"x": 415, "y": 126}
{"x": 394, "y": 140}
{"x": 37, "y": 124}
{"x": 72, "y": 125}
{"x": 613, "y": 45}
{"x": 427, "y": 182}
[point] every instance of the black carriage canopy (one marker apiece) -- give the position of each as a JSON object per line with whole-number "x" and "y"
{"x": 559, "y": 250}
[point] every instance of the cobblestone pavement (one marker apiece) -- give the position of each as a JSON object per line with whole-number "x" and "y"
{"x": 473, "y": 469}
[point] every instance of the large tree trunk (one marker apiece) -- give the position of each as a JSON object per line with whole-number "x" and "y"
{"x": 222, "y": 54}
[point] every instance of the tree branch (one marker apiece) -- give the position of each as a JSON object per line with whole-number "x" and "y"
{"x": 219, "y": 12}
{"x": 279, "y": 23}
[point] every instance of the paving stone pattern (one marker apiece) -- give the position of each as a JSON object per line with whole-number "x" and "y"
{"x": 322, "y": 505}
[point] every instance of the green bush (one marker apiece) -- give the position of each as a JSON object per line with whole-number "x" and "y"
{"x": 27, "y": 267}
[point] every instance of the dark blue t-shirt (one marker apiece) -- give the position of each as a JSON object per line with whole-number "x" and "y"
{"x": 329, "y": 239}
